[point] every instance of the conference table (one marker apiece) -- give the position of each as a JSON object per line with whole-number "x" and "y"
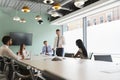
{"x": 76, "y": 68}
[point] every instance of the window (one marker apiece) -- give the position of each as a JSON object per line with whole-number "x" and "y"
{"x": 102, "y": 30}
{"x": 101, "y": 19}
{"x": 88, "y": 23}
{"x": 94, "y": 21}
{"x": 104, "y": 16}
{"x": 75, "y": 25}
{"x": 74, "y": 32}
{"x": 109, "y": 16}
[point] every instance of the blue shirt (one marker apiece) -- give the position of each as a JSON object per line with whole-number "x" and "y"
{"x": 49, "y": 49}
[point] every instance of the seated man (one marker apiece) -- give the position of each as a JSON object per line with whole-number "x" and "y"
{"x": 82, "y": 53}
{"x": 46, "y": 49}
{"x": 7, "y": 52}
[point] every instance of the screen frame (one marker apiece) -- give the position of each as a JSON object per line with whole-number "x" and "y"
{"x": 21, "y": 38}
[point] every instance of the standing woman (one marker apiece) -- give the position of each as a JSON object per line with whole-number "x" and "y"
{"x": 82, "y": 53}
{"x": 22, "y": 52}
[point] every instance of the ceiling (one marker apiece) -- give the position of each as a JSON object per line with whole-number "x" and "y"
{"x": 37, "y": 5}
{"x": 18, "y": 4}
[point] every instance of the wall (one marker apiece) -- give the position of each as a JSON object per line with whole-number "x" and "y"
{"x": 40, "y": 32}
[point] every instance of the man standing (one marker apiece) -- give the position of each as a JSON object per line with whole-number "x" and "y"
{"x": 59, "y": 43}
{"x": 46, "y": 49}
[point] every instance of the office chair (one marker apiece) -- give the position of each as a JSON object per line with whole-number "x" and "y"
{"x": 50, "y": 76}
{"x": 90, "y": 55}
{"x": 7, "y": 62}
{"x": 7, "y": 68}
{"x": 69, "y": 55}
{"x": 11, "y": 70}
{"x": 17, "y": 73}
{"x": 1, "y": 64}
{"x": 103, "y": 58}
{"x": 26, "y": 74}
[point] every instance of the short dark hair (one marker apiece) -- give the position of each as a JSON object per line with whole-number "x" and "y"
{"x": 57, "y": 30}
{"x": 5, "y": 39}
{"x": 44, "y": 42}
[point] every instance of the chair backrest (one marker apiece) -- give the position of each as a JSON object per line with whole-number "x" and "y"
{"x": 1, "y": 58}
{"x": 90, "y": 55}
{"x": 50, "y": 76}
{"x": 69, "y": 54}
{"x": 103, "y": 58}
{"x": 22, "y": 71}
{"x": 6, "y": 59}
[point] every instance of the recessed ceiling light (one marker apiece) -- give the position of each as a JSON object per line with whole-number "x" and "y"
{"x": 48, "y": 1}
{"x": 25, "y": 9}
{"x": 22, "y": 20}
{"x": 16, "y": 18}
{"x": 38, "y": 17}
{"x": 56, "y": 6}
{"x": 79, "y": 3}
{"x": 40, "y": 21}
{"x": 55, "y": 14}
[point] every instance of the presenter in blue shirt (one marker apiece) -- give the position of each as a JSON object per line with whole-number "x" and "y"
{"x": 47, "y": 50}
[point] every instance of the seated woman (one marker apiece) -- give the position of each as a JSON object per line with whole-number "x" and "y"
{"x": 23, "y": 53}
{"x": 82, "y": 53}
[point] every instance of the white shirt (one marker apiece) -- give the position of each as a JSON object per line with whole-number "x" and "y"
{"x": 6, "y": 51}
{"x": 61, "y": 42}
{"x": 25, "y": 54}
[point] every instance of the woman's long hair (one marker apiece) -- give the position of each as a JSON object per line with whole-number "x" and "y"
{"x": 80, "y": 44}
{"x": 21, "y": 49}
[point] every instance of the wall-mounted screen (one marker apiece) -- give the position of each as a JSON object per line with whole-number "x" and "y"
{"x": 21, "y": 38}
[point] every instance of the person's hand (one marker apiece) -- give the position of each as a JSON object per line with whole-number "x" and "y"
{"x": 22, "y": 57}
{"x": 46, "y": 54}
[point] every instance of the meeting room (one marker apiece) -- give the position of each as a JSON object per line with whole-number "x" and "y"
{"x": 59, "y": 40}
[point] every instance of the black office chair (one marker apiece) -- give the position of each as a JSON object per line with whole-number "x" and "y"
{"x": 103, "y": 58}
{"x": 26, "y": 74}
{"x": 90, "y": 55}
{"x": 1, "y": 64}
{"x": 7, "y": 62}
{"x": 12, "y": 71}
{"x": 50, "y": 76}
{"x": 69, "y": 54}
{"x": 7, "y": 68}
{"x": 2, "y": 76}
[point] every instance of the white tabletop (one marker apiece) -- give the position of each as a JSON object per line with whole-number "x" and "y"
{"x": 76, "y": 69}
